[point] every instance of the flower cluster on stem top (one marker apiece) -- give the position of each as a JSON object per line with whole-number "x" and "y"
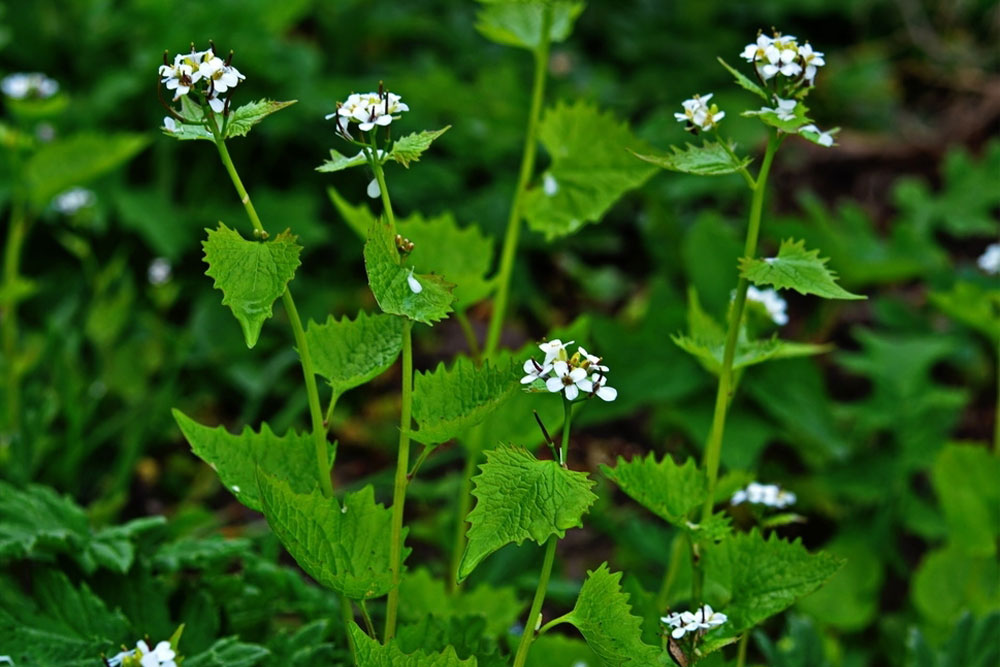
{"x": 698, "y": 115}
{"x": 764, "y": 494}
{"x": 776, "y": 307}
{"x": 161, "y": 655}
{"x": 368, "y": 110}
{"x": 687, "y": 622}
{"x": 202, "y": 73}
{"x": 24, "y": 85}
{"x": 581, "y": 373}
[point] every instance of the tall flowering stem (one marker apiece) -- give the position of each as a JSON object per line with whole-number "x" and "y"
{"x": 17, "y": 231}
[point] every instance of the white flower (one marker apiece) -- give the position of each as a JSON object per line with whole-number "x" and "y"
{"x": 34, "y": 84}
{"x": 371, "y": 109}
{"x": 773, "y": 56}
{"x": 549, "y": 185}
{"x": 824, "y": 138}
{"x": 170, "y": 125}
{"x": 755, "y": 51}
{"x": 708, "y": 619}
{"x": 159, "y": 271}
{"x": 698, "y": 114}
{"x": 222, "y": 76}
{"x": 785, "y": 109}
{"x": 117, "y": 659}
{"x": 566, "y": 380}
{"x": 216, "y": 102}
{"x": 699, "y": 621}
{"x": 989, "y": 261}
{"x": 776, "y": 306}
{"x": 554, "y": 349}
{"x": 597, "y": 384}
{"x": 812, "y": 60}
{"x": 764, "y": 494}
{"x": 414, "y": 284}
{"x": 593, "y": 361}
{"x": 160, "y": 656}
{"x": 534, "y": 371}
{"x": 72, "y": 200}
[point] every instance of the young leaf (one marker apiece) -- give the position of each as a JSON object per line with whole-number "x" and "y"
{"x": 519, "y": 23}
{"x": 338, "y": 162}
{"x": 976, "y": 306}
{"x": 229, "y": 652}
{"x": 709, "y": 159}
{"x": 370, "y": 653}
{"x": 518, "y": 498}
{"x": 236, "y": 458}
{"x": 243, "y": 118}
{"x": 447, "y": 401}
{"x": 666, "y": 489}
{"x": 603, "y": 616}
{"x": 965, "y": 481}
{"x": 790, "y": 125}
{"x": 973, "y": 643}
{"x": 345, "y": 548}
{"x": 763, "y": 577}
{"x": 349, "y": 353}
{"x": 75, "y": 160}
{"x": 407, "y": 149}
{"x": 388, "y": 279}
{"x": 251, "y": 274}
{"x": 590, "y": 169}
{"x": 798, "y": 269}
{"x": 427, "y": 596}
{"x": 745, "y": 82}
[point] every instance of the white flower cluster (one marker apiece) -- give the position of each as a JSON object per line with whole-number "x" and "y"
{"x": 777, "y": 308}
{"x": 162, "y": 655}
{"x": 686, "y": 622}
{"x": 783, "y": 55}
{"x": 698, "y": 115}
{"x": 764, "y": 494}
{"x": 582, "y": 372}
{"x": 72, "y": 200}
{"x": 368, "y": 110}
{"x": 989, "y": 261}
{"x": 204, "y": 72}
{"x": 28, "y": 84}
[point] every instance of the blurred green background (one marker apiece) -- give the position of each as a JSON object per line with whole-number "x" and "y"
{"x": 866, "y": 435}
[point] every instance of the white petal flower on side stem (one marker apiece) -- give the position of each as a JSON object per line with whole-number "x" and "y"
{"x": 597, "y": 385}
{"x": 554, "y": 349}
{"x": 989, "y": 261}
{"x": 534, "y": 370}
{"x": 697, "y": 114}
{"x": 812, "y": 60}
{"x": 770, "y": 495}
{"x": 566, "y": 380}
{"x": 776, "y": 306}
{"x": 824, "y": 138}
{"x": 31, "y": 84}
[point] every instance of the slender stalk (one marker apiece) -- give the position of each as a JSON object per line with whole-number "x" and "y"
{"x": 553, "y": 623}
{"x": 347, "y": 615}
{"x": 527, "y": 169}
{"x": 534, "y": 616}
{"x": 369, "y": 626}
{"x": 464, "y": 505}
{"x": 329, "y": 411}
{"x": 670, "y": 576}
{"x": 470, "y": 335}
{"x": 17, "y": 231}
{"x": 713, "y": 448}
{"x": 741, "y": 655}
{"x": 996, "y": 415}
{"x": 564, "y": 448}
{"x": 399, "y": 488}
{"x": 312, "y": 392}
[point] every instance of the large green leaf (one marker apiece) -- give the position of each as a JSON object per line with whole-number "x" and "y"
{"x": 518, "y": 498}
{"x": 408, "y": 148}
{"x": 519, "y": 23}
{"x": 447, "y": 401}
{"x": 798, "y": 269}
{"x": 591, "y": 168}
{"x": 75, "y": 160}
{"x": 236, "y": 458}
{"x": 950, "y": 581}
{"x": 709, "y": 159}
{"x": 604, "y": 618}
{"x": 349, "y": 353}
{"x": 344, "y": 547}
{"x": 388, "y": 279}
{"x": 763, "y": 577}
{"x": 965, "y": 481}
{"x": 465, "y": 634}
{"x": 666, "y": 489}
{"x": 243, "y": 118}
{"x": 251, "y": 274}
{"x": 370, "y": 653}
{"x": 427, "y": 596}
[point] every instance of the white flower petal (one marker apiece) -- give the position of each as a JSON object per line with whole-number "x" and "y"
{"x": 577, "y": 374}
{"x": 607, "y": 393}
{"x": 554, "y": 384}
{"x": 586, "y": 386}
{"x": 561, "y": 368}
{"x": 572, "y": 392}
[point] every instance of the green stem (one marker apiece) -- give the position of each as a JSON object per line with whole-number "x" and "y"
{"x": 17, "y": 231}
{"x": 564, "y": 448}
{"x": 424, "y": 453}
{"x": 347, "y": 615}
{"x": 741, "y": 655}
{"x": 534, "y": 616}
{"x": 470, "y": 335}
{"x": 399, "y": 488}
{"x": 996, "y": 416}
{"x": 713, "y": 448}
{"x": 464, "y": 504}
{"x": 312, "y": 392}
{"x": 369, "y": 626}
{"x": 380, "y": 178}
{"x": 527, "y": 169}
{"x": 329, "y": 411}
{"x": 553, "y": 623}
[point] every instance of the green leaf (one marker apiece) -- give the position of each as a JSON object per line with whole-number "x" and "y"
{"x": 518, "y": 498}
{"x": 950, "y": 581}
{"x": 338, "y": 162}
{"x": 973, "y": 643}
{"x": 447, "y": 401}
{"x": 763, "y": 577}
{"x": 427, "y": 596}
{"x": 369, "y": 653}
{"x": 349, "y": 353}
{"x": 200, "y": 553}
{"x": 769, "y": 116}
{"x": 973, "y": 305}
{"x": 519, "y": 23}
{"x": 251, "y": 274}
{"x": 76, "y": 160}
{"x": 798, "y": 269}
{"x": 359, "y": 218}
{"x": 229, "y": 652}
{"x": 387, "y": 278}
{"x": 236, "y": 458}
{"x": 965, "y": 481}
{"x": 666, "y": 489}
{"x": 745, "y": 82}
{"x": 709, "y": 159}
{"x": 465, "y": 634}
{"x": 243, "y": 118}
{"x": 603, "y": 616}
{"x": 591, "y": 168}
{"x": 407, "y": 149}
{"x": 850, "y": 600}
{"x": 345, "y": 548}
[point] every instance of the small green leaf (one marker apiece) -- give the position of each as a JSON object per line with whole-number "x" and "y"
{"x": 790, "y": 125}
{"x": 235, "y": 458}
{"x": 519, "y": 23}
{"x": 798, "y": 269}
{"x": 243, "y": 118}
{"x": 338, "y": 162}
{"x": 973, "y": 305}
{"x": 591, "y": 168}
{"x": 666, "y": 489}
{"x": 973, "y": 643}
{"x": 76, "y": 160}
{"x": 229, "y": 652}
{"x": 950, "y": 581}
{"x": 465, "y": 634}
{"x": 965, "y": 481}
{"x": 427, "y": 596}
{"x": 407, "y": 149}
{"x": 603, "y": 616}
{"x": 370, "y": 653}
{"x": 387, "y": 278}
{"x": 251, "y": 274}
{"x": 447, "y": 401}
{"x": 709, "y": 159}
{"x": 349, "y": 353}
{"x": 518, "y": 498}
{"x": 345, "y": 548}
{"x": 763, "y": 577}
{"x": 745, "y": 82}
